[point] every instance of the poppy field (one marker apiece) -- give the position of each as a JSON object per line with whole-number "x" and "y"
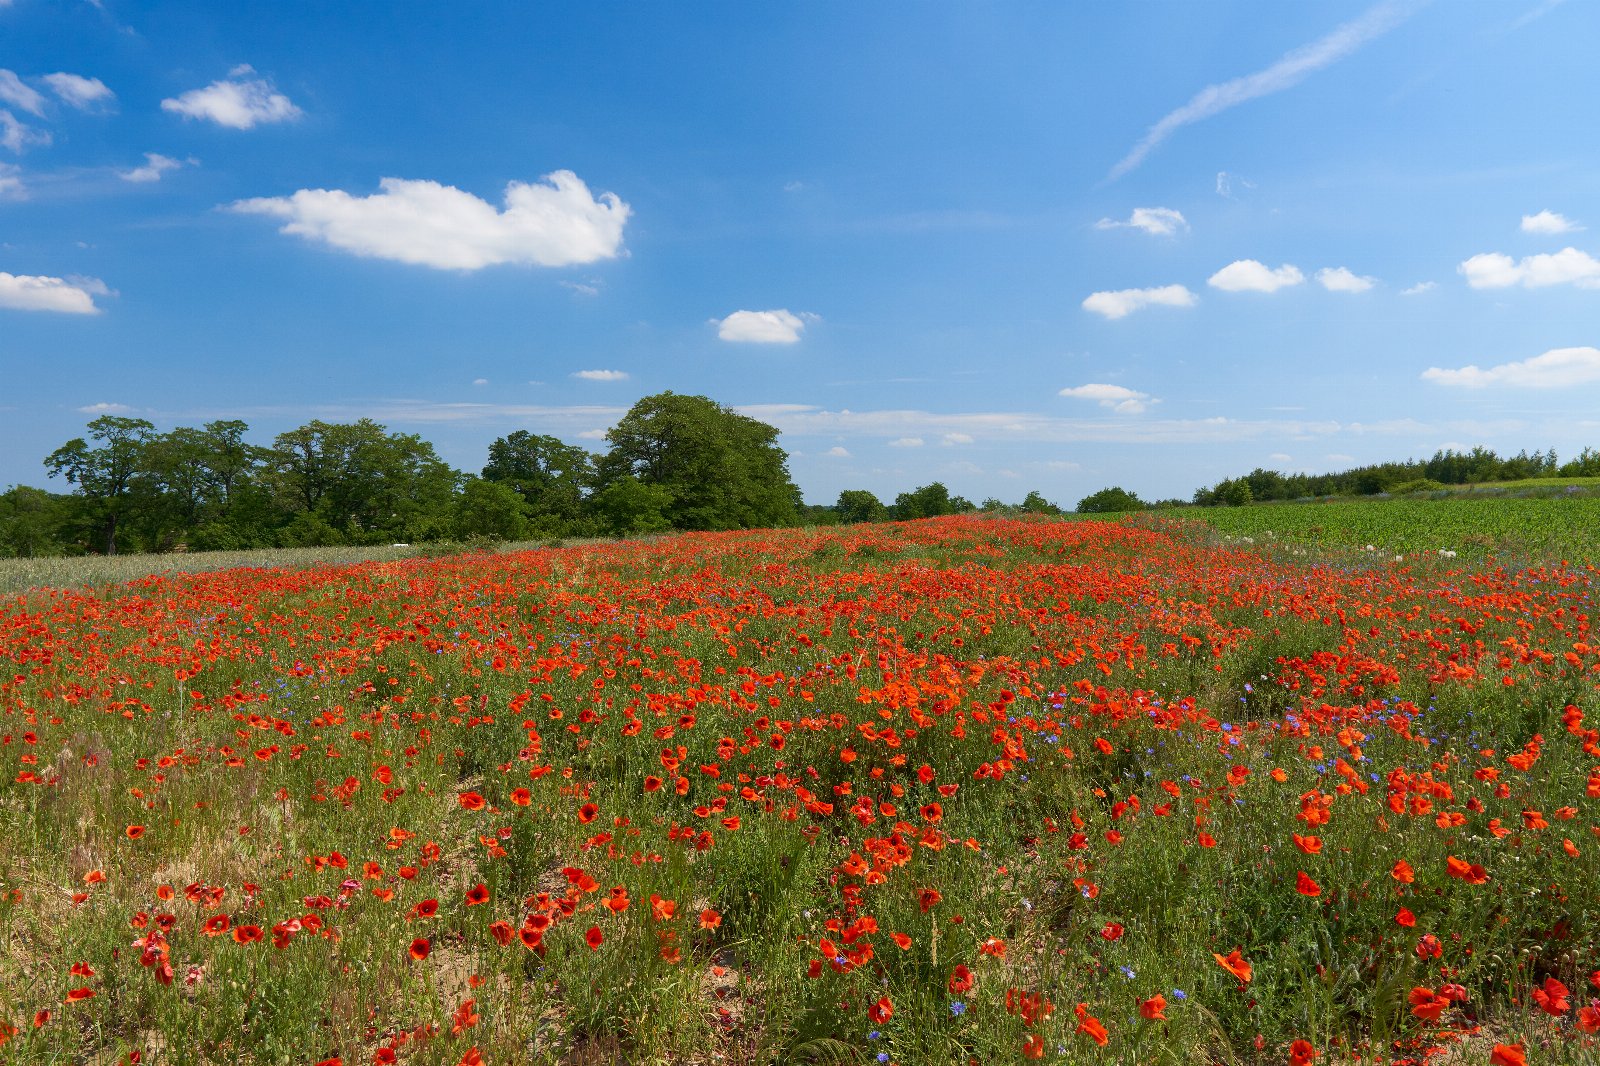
{"x": 959, "y": 790}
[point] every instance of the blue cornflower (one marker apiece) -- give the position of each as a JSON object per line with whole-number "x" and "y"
{"x": 957, "y": 1008}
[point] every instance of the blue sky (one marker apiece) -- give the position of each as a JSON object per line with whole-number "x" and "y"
{"x": 1006, "y": 246}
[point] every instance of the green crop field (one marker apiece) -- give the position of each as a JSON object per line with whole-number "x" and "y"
{"x": 1513, "y": 531}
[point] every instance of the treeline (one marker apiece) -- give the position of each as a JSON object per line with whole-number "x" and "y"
{"x": 1446, "y": 468}
{"x": 674, "y": 462}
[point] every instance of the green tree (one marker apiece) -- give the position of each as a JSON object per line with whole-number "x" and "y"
{"x": 551, "y": 477}
{"x": 722, "y": 470}
{"x": 368, "y": 484}
{"x": 859, "y": 505}
{"x": 627, "y": 507}
{"x": 1108, "y": 501}
{"x": 30, "y": 521}
{"x": 1035, "y": 503}
{"x": 928, "y": 501}
{"x": 108, "y": 477}
{"x": 490, "y": 509}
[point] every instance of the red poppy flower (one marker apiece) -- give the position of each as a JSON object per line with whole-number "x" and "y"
{"x": 1508, "y": 1055}
{"x": 134, "y": 832}
{"x": 594, "y": 937}
{"x": 1154, "y": 1008}
{"x": 247, "y": 934}
{"x": 1305, "y": 886}
{"x": 78, "y": 995}
{"x": 881, "y": 1011}
{"x": 477, "y": 894}
{"x": 961, "y": 980}
{"x": 420, "y": 948}
{"x": 1111, "y": 931}
{"x": 1301, "y": 1053}
{"x": 1235, "y": 964}
{"x": 471, "y": 801}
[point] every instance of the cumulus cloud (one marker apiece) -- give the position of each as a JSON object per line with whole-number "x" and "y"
{"x": 762, "y": 327}
{"x": 837, "y": 452}
{"x": 19, "y": 95}
{"x": 19, "y": 136}
{"x": 1287, "y": 72}
{"x": 105, "y": 409}
{"x": 1558, "y": 368}
{"x": 238, "y": 102}
{"x": 1248, "y": 275}
{"x": 1124, "y": 302}
{"x": 1419, "y": 288}
{"x": 1116, "y": 398}
{"x": 1548, "y": 222}
{"x": 73, "y": 296}
{"x": 951, "y": 439}
{"x": 78, "y": 91}
{"x": 601, "y": 375}
{"x": 1492, "y": 270}
{"x": 155, "y": 165}
{"x": 907, "y": 442}
{"x": 556, "y": 222}
{"x": 1341, "y": 279}
{"x": 1159, "y": 221}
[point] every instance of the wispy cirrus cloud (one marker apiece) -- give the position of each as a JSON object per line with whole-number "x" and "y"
{"x": 1286, "y": 73}
{"x": 1157, "y": 221}
{"x": 1118, "y": 398}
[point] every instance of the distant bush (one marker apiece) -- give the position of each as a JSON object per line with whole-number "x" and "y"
{"x": 1109, "y": 501}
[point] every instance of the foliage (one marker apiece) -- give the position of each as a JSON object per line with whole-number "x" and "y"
{"x": 859, "y": 505}
{"x": 720, "y": 469}
{"x": 1110, "y": 501}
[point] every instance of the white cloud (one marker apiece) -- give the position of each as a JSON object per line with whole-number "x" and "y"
{"x": 480, "y": 381}
{"x": 1419, "y": 288}
{"x": 952, "y": 439}
{"x": 601, "y": 375}
{"x": 907, "y": 442}
{"x": 1248, "y": 275}
{"x": 19, "y": 136}
{"x": 837, "y": 452}
{"x": 155, "y": 165}
{"x": 1556, "y": 369}
{"x": 592, "y": 434}
{"x": 105, "y": 409}
{"x": 78, "y": 91}
{"x": 1548, "y": 222}
{"x": 17, "y": 94}
{"x": 762, "y": 327}
{"x": 1285, "y": 73}
{"x": 1159, "y": 221}
{"x": 554, "y": 223}
{"x": 583, "y": 288}
{"x": 1123, "y": 302}
{"x": 11, "y": 186}
{"x": 73, "y": 296}
{"x": 1281, "y": 457}
{"x": 237, "y": 102}
{"x": 1116, "y": 398}
{"x": 1492, "y": 270}
{"x": 1341, "y": 279}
